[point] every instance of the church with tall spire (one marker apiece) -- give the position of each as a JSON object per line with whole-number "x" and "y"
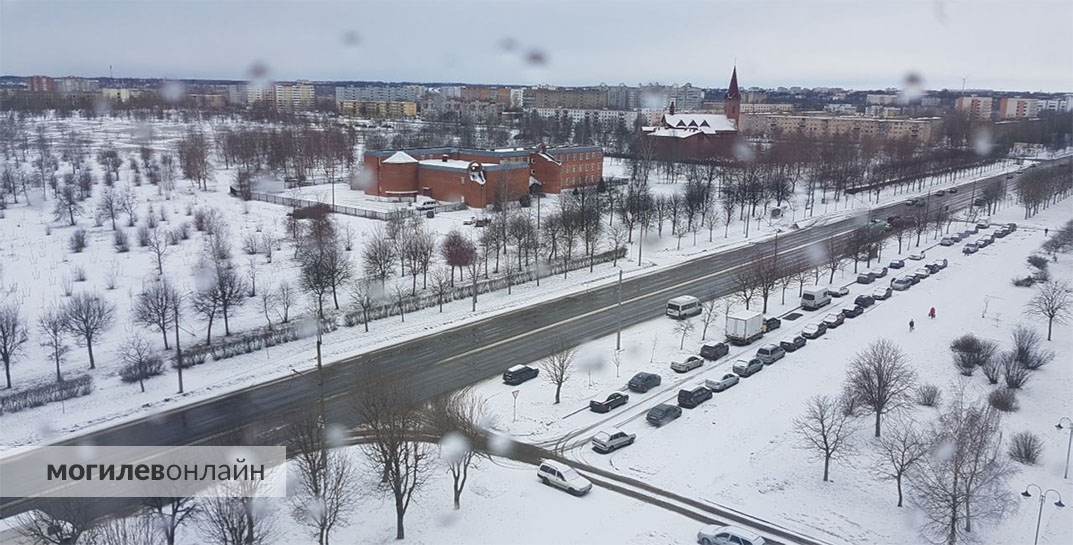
{"x": 698, "y": 136}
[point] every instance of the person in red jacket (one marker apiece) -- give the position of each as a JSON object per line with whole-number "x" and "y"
{"x": 931, "y": 313}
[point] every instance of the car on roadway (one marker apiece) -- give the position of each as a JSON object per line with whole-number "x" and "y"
{"x": 952, "y": 190}
{"x": 983, "y": 224}
{"x": 814, "y": 331}
{"x": 611, "y": 401}
{"x": 865, "y": 278}
{"x": 917, "y": 256}
{"x": 940, "y": 193}
{"x": 902, "y": 283}
{"x": 969, "y": 249}
{"x": 714, "y": 351}
{"x": 880, "y": 294}
{"x": 728, "y": 380}
{"x": 1001, "y": 233}
{"x": 947, "y": 241}
{"x": 841, "y": 291}
{"x": 662, "y": 414}
{"x": 956, "y": 237}
{"x": 983, "y": 242}
{"x": 1011, "y": 226}
{"x": 728, "y": 535}
{"x": 852, "y": 311}
{"x": 833, "y": 320}
{"x": 864, "y": 301}
{"x": 793, "y": 344}
{"x": 692, "y": 398}
{"x": 611, "y": 439}
{"x": 748, "y": 368}
{"x": 921, "y": 273}
{"x": 881, "y": 272}
{"x": 896, "y": 264}
{"x": 562, "y": 476}
{"x": 911, "y": 202}
{"x": 771, "y": 324}
{"x": 687, "y": 365}
{"x": 643, "y": 382}
{"x": 770, "y": 353}
{"x": 519, "y": 374}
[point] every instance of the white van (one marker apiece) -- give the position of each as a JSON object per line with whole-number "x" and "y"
{"x": 562, "y": 476}
{"x": 814, "y": 298}
{"x": 683, "y": 306}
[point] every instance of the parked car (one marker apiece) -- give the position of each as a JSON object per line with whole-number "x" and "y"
{"x": 983, "y": 242}
{"x": 814, "y": 331}
{"x": 1011, "y": 226}
{"x": 931, "y": 267}
{"x": 917, "y": 256}
{"x": 662, "y": 414}
{"x": 880, "y": 294}
{"x": 613, "y": 400}
{"x": 852, "y": 312}
{"x": 728, "y": 380}
{"x": 838, "y": 292}
{"x": 771, "y": 324}
{"x": 865, "y": 278}
{"x": 864, "y": 301}
{"x": 562, "y": 476}
{"x": 956, "y": 237}
{"x": 952, "y": 190}
{"x": 643, "y": 382}
{"x": 911, "y": 202}
{"x": 966, "y": 234}
{"x": 983, "y": 224}
{"x": 748, "y": 368}
{"x": 612, "y": 439}
{"x": 687, "y": 365}
{"x": 833, "y": 320}
{"x": 940, "y": 193}
{"x": 969, "y": 249}
{"x": 897, "y": 264}
{"x": 794, "y": 344}
{"x": 921, "y": 273}
{"x": 728, "y": 535}
{"x": 880, "y": 272}
{"x": 714, "y": 351}
{"x": 947, "y": 241}
{"x": 519, "y": 374}
{"x": 690, "y": 399}
{"x": 770, "y": 353}
{"x": 902, "y": 283}
{"x": 1001, "y": 233}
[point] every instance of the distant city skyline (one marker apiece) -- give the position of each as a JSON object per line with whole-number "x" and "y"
{"x": 861, "y": 45}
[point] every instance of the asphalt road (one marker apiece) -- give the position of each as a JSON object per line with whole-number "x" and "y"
{"x": 463, "y": 355}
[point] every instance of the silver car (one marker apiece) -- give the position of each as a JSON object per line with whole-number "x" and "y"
{"x": 611, "y": 439}
{"x": 687, "y": 365}
{"x": 727, "y": 381}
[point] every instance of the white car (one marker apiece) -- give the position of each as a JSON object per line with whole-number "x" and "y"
{"x": 917, "y": 257}
{"x": 922, "y": 273}
{"x": 880, "y": 294}
{"x": 728, "y": 535}
{"x": 727, "y": 381}
{"x": 562, "y": 476}
{"x": 687, "y": 365}
{"x": 611, "y": 439}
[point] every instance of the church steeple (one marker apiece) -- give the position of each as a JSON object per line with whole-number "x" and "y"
{"x": 732, "y": 100}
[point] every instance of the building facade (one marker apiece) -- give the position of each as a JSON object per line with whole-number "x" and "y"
{"x": 479, "y": 177}
{"x": 698, "y": 136}
{"x": 378, "y": 109}
{"x": 294, "y": 97}
{"x": 975, "y": 107}
{"x": 924, "y": 130}
{"x": 1018, "y": 108}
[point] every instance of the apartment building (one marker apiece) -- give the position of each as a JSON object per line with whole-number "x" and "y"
{"x": 925, "y": 130}
{"x": 294, "y": 97}
{"x": 975, "y": 107}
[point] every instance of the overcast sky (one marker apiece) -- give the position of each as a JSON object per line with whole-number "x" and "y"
{"x": 1015, "y": 45}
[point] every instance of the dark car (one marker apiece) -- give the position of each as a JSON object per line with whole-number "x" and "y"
{"x": 643, "y": 382}
{"x": 519, "y": 374}
{"x": 952, "y": 190}
{"x": 714, "y": 351}
{"x": 771, "y": 324}
{"x": 689, "y": 399}
{"x": 896, "y": 264}
{"x": 932, "y": 268}
{"x": 853, "y": 312}
{"x": 864, "y": 301}
{"x": 612, "y": 401}
{"x": 793, "y": 345}
{"x": 662, "y": 414}
{"x": 940, "y": 193}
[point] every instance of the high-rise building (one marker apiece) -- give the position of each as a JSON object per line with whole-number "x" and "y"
{"x": 294, "y": 97}
{"x": 976, "y": 107}
{"x": 42, "y": 84}
{"x": 1018, "y": 108}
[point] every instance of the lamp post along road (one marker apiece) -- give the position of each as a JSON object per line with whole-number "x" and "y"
{"x": 1042, "y": 499}
{"x": 1069, "y": 444}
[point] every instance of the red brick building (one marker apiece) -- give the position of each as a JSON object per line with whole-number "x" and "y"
{"x": 42, "y": 84}
{"x": 699, "y": 136}
{"x": 476, "y": 177}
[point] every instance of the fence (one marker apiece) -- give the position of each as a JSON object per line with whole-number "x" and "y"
{"x": 341, "y": 209}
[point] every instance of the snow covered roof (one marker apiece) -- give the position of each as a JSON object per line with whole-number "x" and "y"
{"x": 400, "y": 157}
{"x": 705, "y": 123}
{"x": 450, "y": 163}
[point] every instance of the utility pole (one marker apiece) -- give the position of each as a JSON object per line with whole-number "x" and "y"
{"x": 618, "y": 313}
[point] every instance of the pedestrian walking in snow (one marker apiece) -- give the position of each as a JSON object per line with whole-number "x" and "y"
{"x": 931, "y": 313}
{"x": 1045, "y": 231}
{"x": 911, "y": 324}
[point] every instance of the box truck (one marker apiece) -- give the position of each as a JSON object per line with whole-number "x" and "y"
{"x": 744, "y": 327}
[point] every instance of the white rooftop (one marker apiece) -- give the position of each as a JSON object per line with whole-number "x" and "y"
{"x": 400, "y": 157}
{"x": 705, "y": 123}
{"x": 453, "y": 163}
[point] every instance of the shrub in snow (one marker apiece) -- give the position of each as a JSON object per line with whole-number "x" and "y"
{"x": 251, "y": 244}
{"x": 41, "y": 394}
{"x": 1038, "y": 262}
{"x": 992, "y": 370}
{"x": 184, "y": 230}
{"x": 150, "y": 366}
{"x": 77, "y": 242}
{"x": 970, "y": 352}
{"x": 190, "y": 358}
{"x": 201, "y": 219}
{"x": 1027, "y": 348}
{"x": 120, "y": 241}
{"x": 1026, "y": 282}
{"x": 1003, "y": 399}
{"x": 143, "y": 236}
{"x": 150, "y": 218}
{"x": 1026, "y": 448}
{"x": 78, "y": 274}
{"x": 928, "y": 395}
{"x": 1013, "y": 372}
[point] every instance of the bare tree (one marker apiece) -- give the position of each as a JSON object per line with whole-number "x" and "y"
{"x": 139, "y": 356}
{"x": 13, "y": 335}
{"x": 683, "y": 328}
{"x": 745, "y": 286}
{"x": 108, "y": 205}
{"x": 238, "y": 519}
{"x": 153, "y": 308}
{"x": 900, "y": 450}
{"x": 326, "y": 480}
{"x": 441, "y": 285}
{"x": 157, "y": 242}
{"x": 169, "y": 513}
{"x": 880, "y": 380}
{"x": 826, "y": 431}
{"x": 397, "y": 453}
{"x": 456, "y": 418}
{"x": 363, "y": 294}
{"x": 87, "y": 317}
{"x": 1053, "y": 301}
{"x": 709, "y": 311}
{"x": 286, "y": 298}
{"x": 137, "y": 529}
{"x": 67, "y": 205}
{"x": 51, "y": 325}
{"x": 62, "y": 523}
{"x": 557, "y": 368}
{"x": 379, "y": 256}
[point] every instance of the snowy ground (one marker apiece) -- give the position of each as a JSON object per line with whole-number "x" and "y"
{"x": 37, "y": 267}
{"x": 738, "y": 450}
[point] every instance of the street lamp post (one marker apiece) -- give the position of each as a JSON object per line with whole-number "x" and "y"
{"x": 1042, "y": 499}
{"x": 618, "y": 313}
{"x": 515, "y": 394}
{"x": 1069, "y": 444}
